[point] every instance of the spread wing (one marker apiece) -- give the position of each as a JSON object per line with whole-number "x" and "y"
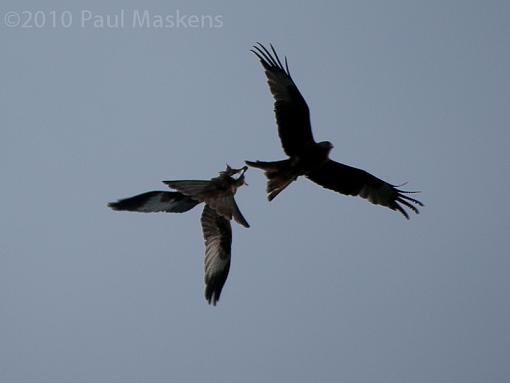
{"x": 292, "y": 113}
{"x": 356, "y": 182}
{"x": 218, "y": 239}
{"x": 155, "y": 201}
{"x": 217, "y": 198}
{"x": 195, "y": 189}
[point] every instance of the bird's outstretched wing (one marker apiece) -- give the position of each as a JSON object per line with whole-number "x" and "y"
{"x": 356, "y": 182}
{"x": 218, "y": 240}
{"x": 156, "y": 201}
{"x": 222, "y": 201}
{"x": 195, "y": 189}
{"x": 291, "y": 110}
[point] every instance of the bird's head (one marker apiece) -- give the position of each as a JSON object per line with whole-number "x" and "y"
{"x": 229, "y": 172}
{"x": 240, "y": 181}
{"x": 326, "y": 146}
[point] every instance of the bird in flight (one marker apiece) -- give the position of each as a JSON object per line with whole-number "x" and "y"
{"x": 220, "y": 208}
{"x": 310, "y": 158}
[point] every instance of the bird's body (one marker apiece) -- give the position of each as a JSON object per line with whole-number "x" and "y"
{"x": 220, "y": 207}
{"x": 281, "y": 173}
{"x": 218, "y": 193}
{"x": 310, "y": 158}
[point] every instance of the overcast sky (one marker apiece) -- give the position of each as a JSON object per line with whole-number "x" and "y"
{"x": 323, "y": 287}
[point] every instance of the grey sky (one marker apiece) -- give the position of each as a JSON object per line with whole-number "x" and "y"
{"x": 322, "y": 287}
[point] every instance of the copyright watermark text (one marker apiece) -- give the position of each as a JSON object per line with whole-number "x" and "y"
{"x": 121, "y": 19}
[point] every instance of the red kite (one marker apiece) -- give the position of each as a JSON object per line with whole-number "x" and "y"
{"x": 220, "y": 207}
{"x": 310, "y": 158}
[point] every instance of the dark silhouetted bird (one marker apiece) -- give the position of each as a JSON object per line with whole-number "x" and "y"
{"x": 309, "y": 158}
{"x": 220, "y": 207}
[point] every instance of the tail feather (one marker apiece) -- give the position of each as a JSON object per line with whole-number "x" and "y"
{"x": 279, "y": 175}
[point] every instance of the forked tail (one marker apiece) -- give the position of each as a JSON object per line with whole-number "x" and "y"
{"x": 279, "y": 175}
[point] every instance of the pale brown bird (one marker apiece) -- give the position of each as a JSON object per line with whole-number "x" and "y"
{"x": 310, "y": 158}
{"x": 220, "y": 207}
